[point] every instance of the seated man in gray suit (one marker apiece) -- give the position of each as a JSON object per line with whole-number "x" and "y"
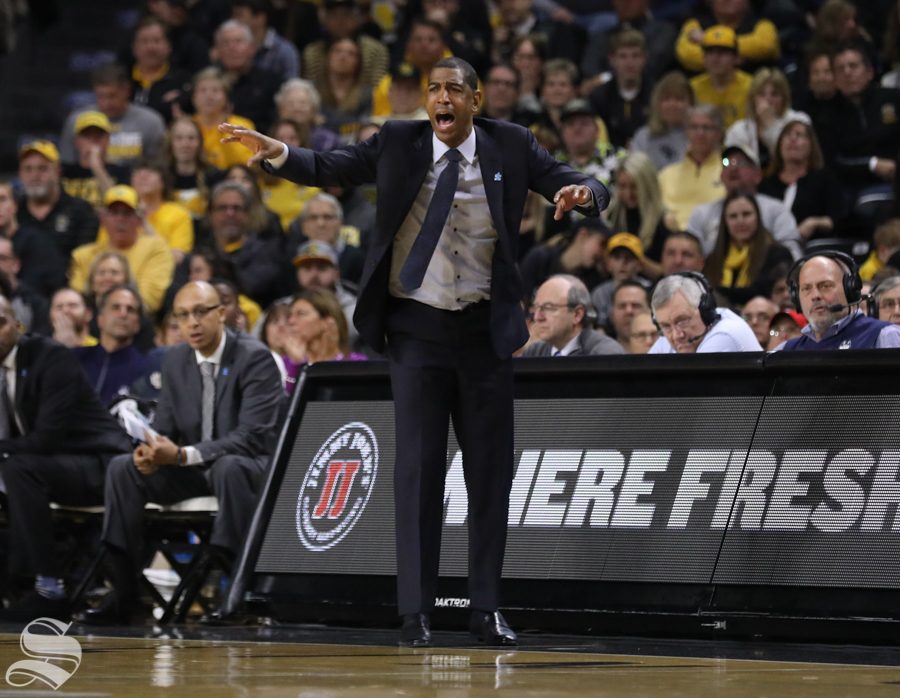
{"x": 560, "y": 321}
{"x": 215, "y": 432}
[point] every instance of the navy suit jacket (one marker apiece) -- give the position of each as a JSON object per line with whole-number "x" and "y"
{"x": 59, "y": 409}
{"x": 397, "y": 159}
{"x": 248, "y": 400}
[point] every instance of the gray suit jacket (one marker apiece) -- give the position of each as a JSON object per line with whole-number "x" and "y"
{"x": 249, "y": 396}
{"x": 590, "y": 343}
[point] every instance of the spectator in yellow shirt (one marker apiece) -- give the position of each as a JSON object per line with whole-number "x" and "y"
{"x": 149, "y": 257}
{"x": 696, "y": 178}
{"x": 171, "y": 221}
{"x": 722, "y": 85}
{"x": 280, "y": 195}
{"x": 213, "y": 107}
{"x": 757, "y": 39}
{"x": 424, "y": 47}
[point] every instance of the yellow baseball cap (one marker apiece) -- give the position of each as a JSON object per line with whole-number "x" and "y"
{"x": 629, "y": 241}
{"x": 720, "y": 36}
{"x": 44, "y": 148}
{"x": 121, "y": 194}
{"x": 92, "y": 119}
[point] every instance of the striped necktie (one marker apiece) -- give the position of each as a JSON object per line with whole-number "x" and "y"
{"x": 208, "y": 372}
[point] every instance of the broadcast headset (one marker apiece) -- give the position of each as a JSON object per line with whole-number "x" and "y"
{"x": 851, "y": 280}
{"x": 707, "y": 307}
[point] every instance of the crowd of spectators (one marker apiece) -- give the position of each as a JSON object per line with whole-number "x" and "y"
{"x": 757, "y": 127}
{"x": 735, "y": 136}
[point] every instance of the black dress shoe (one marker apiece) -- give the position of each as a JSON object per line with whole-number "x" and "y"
{"x": 415, "y": 630}
{"x": 32, "y": 606}
{"x": 491, "y": 629}
{"x": 113, "y": 610}
{"x": 217, "y": 619}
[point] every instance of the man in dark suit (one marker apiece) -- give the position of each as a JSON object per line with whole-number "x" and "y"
{"x": 441, "y": 290}
{"x": 55, "y": 442}
{"x": 215, "y": 431}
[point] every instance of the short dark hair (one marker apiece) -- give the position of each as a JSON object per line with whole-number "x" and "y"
{"x": 104, "y": 299}
{"x": 257, "y": 7}
{"x": 470, "y": 77}
{"x": 110, "y": 74}
{"x": 857, "y": 46}
{"x": 630, "y": 283}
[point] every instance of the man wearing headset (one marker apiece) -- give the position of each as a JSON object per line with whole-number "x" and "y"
{"x": 827, "y": 289}
{"x": 684, "y": 309}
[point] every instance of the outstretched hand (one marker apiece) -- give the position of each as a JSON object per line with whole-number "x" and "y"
{"x": 262, "y": 147}
{"x": 569, "y": 197}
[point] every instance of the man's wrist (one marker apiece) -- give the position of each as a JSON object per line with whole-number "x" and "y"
{"x": 276, "y": 162}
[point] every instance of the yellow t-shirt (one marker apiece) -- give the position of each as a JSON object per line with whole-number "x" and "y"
{"x": 381, "y": 105}
{"x": 150, "y": 260}
{"x": 172, "y": 222}
{"x": 732, "y": 101}
{"x": 286, "y": 199}
{"x": 224, "y": 155}
{"x": 250, "y": 308}
{"x": 870, "y": 267}
{"x": 685, "y": 185}
{"x": 760, "y": 45}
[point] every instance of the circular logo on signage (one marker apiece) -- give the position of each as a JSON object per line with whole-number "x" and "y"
{"x": 337, "y": 486}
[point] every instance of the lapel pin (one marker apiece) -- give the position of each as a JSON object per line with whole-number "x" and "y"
{"x": 498, "y": 177}
{"x": 225, "y": 371}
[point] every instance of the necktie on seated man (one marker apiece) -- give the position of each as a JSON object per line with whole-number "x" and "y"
{"x": 413, "y": 270}
{"x": 207, "y": 371}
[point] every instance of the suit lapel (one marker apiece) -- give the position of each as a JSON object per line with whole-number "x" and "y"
{"x": 419, "y": 164}
{"x": 23, "y": 360}
{"x": 491, "y": 163}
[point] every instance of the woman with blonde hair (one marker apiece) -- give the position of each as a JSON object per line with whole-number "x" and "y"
{"x": 213, "y": 107}
{"x": 637, "y": 208}
{"x": 108, "y": 270}
{"x": 664, "y": 138}
{"x": 300, "y": 101}
{"x": 768, "y": 110}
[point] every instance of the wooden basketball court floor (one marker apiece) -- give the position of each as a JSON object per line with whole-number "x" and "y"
{"x": 317, "y": 662}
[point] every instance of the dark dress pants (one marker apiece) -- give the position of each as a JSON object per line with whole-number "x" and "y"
{"x": 443, "y": 367}
{"x": 234, "y": 480}
{"x": 32, "y": 482}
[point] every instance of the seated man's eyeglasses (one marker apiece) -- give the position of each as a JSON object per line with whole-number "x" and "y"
{"x": 549, "y": 308}
{"x": 679, "y": 324}
{"x": 197, "y": 313}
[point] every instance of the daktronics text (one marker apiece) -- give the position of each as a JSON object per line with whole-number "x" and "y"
{"x": 756, "y": 490}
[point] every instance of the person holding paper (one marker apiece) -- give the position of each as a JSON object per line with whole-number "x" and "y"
{"x": 214, "y": 433}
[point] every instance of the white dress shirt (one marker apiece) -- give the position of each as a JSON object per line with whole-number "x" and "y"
{"x": 9, "y": 367}
{"x": 459, "y": 272}
{"x": 191, "y": 454}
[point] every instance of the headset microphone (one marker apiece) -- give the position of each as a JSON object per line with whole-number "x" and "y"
{"x": 691, "y": 340}
{"x": 839, "y": 306}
